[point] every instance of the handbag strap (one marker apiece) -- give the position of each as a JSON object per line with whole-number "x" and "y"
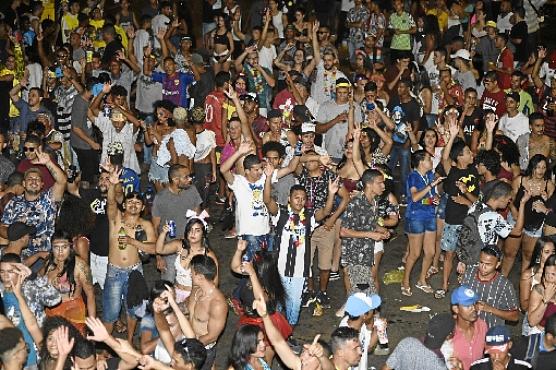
{"x": 534, "y": 8}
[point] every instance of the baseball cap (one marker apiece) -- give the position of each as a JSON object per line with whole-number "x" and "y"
{"x": 249, "y": 96}
{"x": 18, "y": 230}
{"x": 307, "y": 127}
{"x": 186, "y": 38}
{"x": 464, "y": 296}
{"x": 197, "y": 59}
{"x": 359, "y": 303}
{"x": 497, "y": 338}
{"x": 490, "y": 24}
{"x": 439, "y": 327}
{"x": 462, "y": 53}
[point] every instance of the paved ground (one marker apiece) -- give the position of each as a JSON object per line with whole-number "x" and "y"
{"x": 401, "y": 324}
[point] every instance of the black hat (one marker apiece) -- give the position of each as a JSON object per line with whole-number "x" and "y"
{"x": 303, "y": 113}
{"x": 18, "y": 230}
{"x": 440, "y": 326}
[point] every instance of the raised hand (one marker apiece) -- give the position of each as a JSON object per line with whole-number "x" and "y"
{"x": 334, "y": 185}
{"x": 63, "y": 341}
{"x": 100, "y": 334}
{"x": 268, "y": 169}
{"x": 42, "y": 157}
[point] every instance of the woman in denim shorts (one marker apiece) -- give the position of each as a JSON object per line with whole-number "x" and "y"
{"x": 420, "y": 217}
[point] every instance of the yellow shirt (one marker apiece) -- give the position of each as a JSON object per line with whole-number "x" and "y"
{"x": 48, "y": 11}
{"x": 14, "y": 112}
{"x": 69, "y": 23}
{"x": 442, "y": 17}
{"x": 98, "y": 43}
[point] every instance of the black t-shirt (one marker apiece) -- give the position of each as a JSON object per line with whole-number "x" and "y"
{"x": 519, "y": 31}
{"x": 470, "y": 122}
{"x": 100, "y": 233}
{"x": 455, "y": 212}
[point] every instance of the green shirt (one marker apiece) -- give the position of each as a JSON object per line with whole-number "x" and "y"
{"x": 401, "y": 22}
{"x": 525, "y": 102}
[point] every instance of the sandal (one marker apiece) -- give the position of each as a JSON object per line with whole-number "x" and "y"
{"x": 406, "y": 291}
{"x": 440, "y": 293}
{"x": 425, "y": 288}
{"x": 432, "y": 271}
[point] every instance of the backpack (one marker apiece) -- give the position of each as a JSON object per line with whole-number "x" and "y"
{"x": 469, "y": 242}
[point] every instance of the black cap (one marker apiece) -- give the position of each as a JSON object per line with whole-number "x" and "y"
{"x": 18, "y": 230}
{"x": 440, "y": 326}
{"x": 302, "y": 112}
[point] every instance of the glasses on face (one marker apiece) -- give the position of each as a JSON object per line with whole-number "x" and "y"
{"x": 28, "y": 149}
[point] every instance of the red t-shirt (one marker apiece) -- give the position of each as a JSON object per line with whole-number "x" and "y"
{"x": 47, "y": 178}
{"x": 505, "y": 61}
{"x": 495, "y": 102}
{"x": 213, "y": 115}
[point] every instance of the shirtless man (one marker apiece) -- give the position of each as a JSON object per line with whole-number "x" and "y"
{"x": 128, "y": 235}
{"x": 535, "y": 142}
{"x": 207, "y": 306}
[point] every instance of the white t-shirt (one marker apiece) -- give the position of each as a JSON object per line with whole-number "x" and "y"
{"x": 324, "y": 87}
{"x": 547, "y": 73}
{"x": 159, "y": 21}
{"x": 206, "y": 141}
{"x": 364, "y": 339}
{"x": 491, "y": 226}
{"x": 515, "y": 126}
{"x": 126, "y": 136}
{"x": 182, "y": 144}
{"x": 503, "y": 23}
{"x": 266, "y": 56}
{"x": 251, "y": 213}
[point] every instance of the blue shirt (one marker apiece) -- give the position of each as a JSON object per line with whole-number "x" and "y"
{"x": 11, "y": 308}
{"x": 175, "y": 88}
{"x": 423, "y": 208}
{"x": 130, "y": 181}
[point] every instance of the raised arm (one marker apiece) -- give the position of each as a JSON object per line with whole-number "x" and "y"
{"x": 270, "y": 203}
{"x": 57, "y": 173}
{"x": 333, "y": 188}
{"x": 226, "y": 167}
{"x": 166, "y": 248}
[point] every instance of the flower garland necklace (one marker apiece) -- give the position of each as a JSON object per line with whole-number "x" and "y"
{"x": 297, "y": 233}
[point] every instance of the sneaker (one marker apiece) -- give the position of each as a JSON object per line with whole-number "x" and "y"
{"x": 323, "y": 299}
{"x": 307, "y": 299}
{"x": 334, "y": 275}
{"x": 381, "y": 351}
{"x": 341, "y": 312}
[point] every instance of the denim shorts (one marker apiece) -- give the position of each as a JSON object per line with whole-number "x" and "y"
{"x": 256, "y": 243}
{"x": 157, "y": 172}
{"x": 441, "y": 208}
{"x": 530, "y": 233}
{"x": 421, "y": 225}
{"x": 450, "y": 237}
{"x": 115, "y": 290}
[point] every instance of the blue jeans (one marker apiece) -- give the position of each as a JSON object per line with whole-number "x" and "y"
{"x": 115, "y": 289}
{"x": 257, "y": 243}
{"x": 293, "y": 287}
{"x": 401, "y": 154}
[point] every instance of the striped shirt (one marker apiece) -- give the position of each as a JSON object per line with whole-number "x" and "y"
{"x": 497, "y": 292}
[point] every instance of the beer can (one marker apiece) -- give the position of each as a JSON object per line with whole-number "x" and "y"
{"x": 172, "y": 226}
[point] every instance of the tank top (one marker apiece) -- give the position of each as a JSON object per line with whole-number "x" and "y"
{"x": 350, "y": 185}
{"x": 533, "y": 220}
{"x": 549, "y": 311}
{"x": 221, "y": 39}
{"x": 183, "y": 275}
{"x": 277, "y": 22}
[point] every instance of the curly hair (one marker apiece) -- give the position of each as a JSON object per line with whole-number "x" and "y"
{"x": 50, "y": 324}
{"x": 76, "y": 217}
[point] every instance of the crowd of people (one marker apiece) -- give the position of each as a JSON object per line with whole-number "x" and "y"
{"x": 320, "y": 130}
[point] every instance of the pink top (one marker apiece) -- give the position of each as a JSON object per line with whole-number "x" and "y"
{"x": 469, "y": 351}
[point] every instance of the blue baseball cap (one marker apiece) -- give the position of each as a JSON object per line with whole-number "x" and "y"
{"x": 359, "y": 303}
{"x": 498, "y": 335}
{"x": 464, "y": 296}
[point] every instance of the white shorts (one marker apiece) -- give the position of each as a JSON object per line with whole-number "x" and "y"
{"x": 99, "y": 268}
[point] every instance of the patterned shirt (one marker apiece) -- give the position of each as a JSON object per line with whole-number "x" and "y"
{"x": 377, "y": 22}
{"x": 40, "y": 213}
{"x": 401, "y": 22}
{"x": 360, "y": 215}
{"x": 357, "y": 14}
{"x": 497, "y": 292}
{"x": 316, "y": 188}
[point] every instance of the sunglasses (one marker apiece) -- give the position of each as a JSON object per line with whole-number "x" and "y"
{"x": 28, "y": 149}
